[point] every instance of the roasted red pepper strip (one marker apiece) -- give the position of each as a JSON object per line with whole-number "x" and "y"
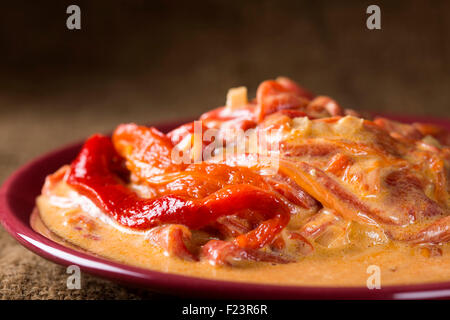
{"x": 93, "y": 173}
{"x": 219, "y": 252}
{"x": 272, "y": 96}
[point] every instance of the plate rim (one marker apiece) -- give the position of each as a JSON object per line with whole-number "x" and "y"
{"x": 195, "y": 286}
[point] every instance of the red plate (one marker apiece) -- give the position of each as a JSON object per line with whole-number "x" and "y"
{"x": 17, "y": 200}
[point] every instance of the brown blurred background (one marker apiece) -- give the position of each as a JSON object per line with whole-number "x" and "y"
{"x": 147, "y": 61}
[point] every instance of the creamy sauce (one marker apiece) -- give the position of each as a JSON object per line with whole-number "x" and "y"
{"x": 94, "y": 232}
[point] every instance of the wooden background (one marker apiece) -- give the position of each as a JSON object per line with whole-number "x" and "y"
{"x": 147, "y": 61}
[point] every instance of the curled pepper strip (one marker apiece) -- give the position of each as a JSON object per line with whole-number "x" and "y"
{"x": 273, "y": 96}
{"x": 218, "y": 252}
{"x": 94, "y": 174}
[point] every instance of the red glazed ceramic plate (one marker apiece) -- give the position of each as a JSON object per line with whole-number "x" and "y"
{"x": 17, "y": 200}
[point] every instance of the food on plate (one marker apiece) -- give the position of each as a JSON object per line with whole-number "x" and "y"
{"x": 288, "y": 187}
